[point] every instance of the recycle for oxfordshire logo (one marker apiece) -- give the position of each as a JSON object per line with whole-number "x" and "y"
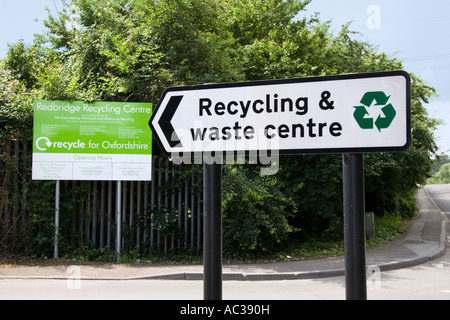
{"x": 387, "y": 110}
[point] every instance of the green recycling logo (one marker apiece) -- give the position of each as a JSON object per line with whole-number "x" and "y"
{"x": 382, "y": 122}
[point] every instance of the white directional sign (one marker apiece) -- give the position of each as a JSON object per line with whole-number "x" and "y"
{"x": 335, "y": 114}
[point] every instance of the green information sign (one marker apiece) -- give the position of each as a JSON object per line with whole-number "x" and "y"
{"x": 92, "y": 141}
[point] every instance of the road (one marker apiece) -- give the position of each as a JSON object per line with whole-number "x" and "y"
{"x": 441, "y": 195}
{"x": 430, "y": 281}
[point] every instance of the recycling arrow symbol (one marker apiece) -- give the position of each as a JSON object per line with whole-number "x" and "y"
{"x": 380, "y": 99}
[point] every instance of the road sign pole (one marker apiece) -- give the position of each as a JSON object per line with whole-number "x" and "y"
{"x": 118, "y": 219}
{"x": 354, "y": 225}
{"x": 56, "y": 236}
{"x": 212, "y": 240}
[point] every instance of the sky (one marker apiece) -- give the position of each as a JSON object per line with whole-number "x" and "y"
{"x": 18, "y": 20}
{"x": 415, "y": 31}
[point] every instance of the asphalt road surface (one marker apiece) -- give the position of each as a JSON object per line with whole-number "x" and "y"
{"x": 441, "y": 195}
{"x": 430, "y": 281}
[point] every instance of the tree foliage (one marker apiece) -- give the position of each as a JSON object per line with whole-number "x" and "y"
{"x": 131, "y": 50}
{"x": 256, "y": 212}
{"x": 15, "y": 112}
{"x": 442, "y": 176}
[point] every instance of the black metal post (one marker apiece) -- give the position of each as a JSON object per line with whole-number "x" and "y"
{"x": 212, "y": 228}
{"x": 354, "y": 224}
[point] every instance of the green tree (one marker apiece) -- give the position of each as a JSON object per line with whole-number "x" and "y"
{"x": 306, "y": 47}
{"x": 253, "y": 21}
{"x": 442, "y": 176}
{"x": 131, "y": 50}
{"x": 256, "y": 212}
{"x": 15, "y": 108}
{"x": 134, "y": 49}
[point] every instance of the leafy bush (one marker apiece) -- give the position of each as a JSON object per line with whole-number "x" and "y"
{"x": 256, "y": 213}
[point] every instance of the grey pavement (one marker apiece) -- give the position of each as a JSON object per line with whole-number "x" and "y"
{"x": 425, "y": 240}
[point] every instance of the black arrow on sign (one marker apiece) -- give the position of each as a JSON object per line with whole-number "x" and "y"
{"x": 166, "y": 119}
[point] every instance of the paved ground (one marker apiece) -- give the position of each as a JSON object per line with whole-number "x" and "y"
{"x": 425, "y": 241}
